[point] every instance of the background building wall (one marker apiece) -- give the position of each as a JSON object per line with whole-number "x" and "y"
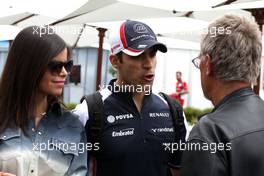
{"x": 176, "y": 59}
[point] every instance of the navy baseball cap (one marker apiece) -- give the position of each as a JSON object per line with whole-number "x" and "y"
{"x": 134, "y": 38}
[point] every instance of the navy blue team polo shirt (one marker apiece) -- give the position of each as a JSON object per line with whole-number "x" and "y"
{"x": 133, "y": 143}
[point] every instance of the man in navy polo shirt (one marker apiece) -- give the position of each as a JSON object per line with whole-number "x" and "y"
{"x": 137, "y": 124}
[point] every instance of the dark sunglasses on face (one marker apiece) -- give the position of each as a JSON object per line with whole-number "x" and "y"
{"x": 55, "y": 67}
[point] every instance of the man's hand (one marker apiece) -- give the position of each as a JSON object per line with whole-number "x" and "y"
{"x": 6, "y": 174}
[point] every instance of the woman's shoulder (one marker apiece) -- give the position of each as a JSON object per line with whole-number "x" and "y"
{"x": 9, "y": 133}
{"x": 65, "y": 118}
{"x": 70, "y": 119}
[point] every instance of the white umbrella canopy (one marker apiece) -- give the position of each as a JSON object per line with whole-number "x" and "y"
{"x": 80, "y": 35}
{"x": 56, "y": 9}
{"x": 96, "y": 10}
{"x": 194, "y": 32}
{"x": 202, "y": 14}
{"x": 174, "y": 27}
{"x": 183, "y": 28}
{"x": 11, "y": 25}
{"x": 211, "y": 15}
{"x": 112, "y": 10}
{"x": 192, "y": 5}
{"x": 72, "y": 34}
{"x": 23, "y": 13}
{"x": 177, "y": 5}
{"x": 26, "y": 19}
{"x": 244, "y": 4}
{"x": 15, "y": 18}
{"x": 8, "y": 32}
{"x": 166, "y": 23}
{"x": 90, "y": 37}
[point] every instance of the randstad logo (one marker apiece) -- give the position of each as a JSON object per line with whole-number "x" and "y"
{"x": 112, "y": 119}
{"x": 140, "y": 28}
{"x": 160, "y": 130}
{"x": 124, "y": 132}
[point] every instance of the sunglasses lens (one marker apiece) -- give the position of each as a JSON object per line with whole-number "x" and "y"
{"x": 68, "y": 66}
{"x": 56, "y": 66}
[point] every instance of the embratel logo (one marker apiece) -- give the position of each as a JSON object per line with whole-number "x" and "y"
{"x": 124, "y": 132}
{"x": 112, "y": 119}
{"x": 140, "y": 28}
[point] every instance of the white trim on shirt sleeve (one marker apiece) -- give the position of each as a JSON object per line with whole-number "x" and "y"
{"x": 81, "y": 110}
{"x": 187, "y": 126}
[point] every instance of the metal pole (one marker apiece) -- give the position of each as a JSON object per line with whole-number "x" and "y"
{"x": 100, "y": 57}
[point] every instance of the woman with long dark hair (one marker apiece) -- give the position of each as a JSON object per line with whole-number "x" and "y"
{"x": 37, "y": 136}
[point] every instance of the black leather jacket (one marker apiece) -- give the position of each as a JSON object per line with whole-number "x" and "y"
{"x": 232, "y": 139}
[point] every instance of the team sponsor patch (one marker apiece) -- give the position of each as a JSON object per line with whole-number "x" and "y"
{"x": 159, "y": 114}
{"x": 160, "y": 130}
{"x": 123, "y": 132}
{"x": 112, "y": 119}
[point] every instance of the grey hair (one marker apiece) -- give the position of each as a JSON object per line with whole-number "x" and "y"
{"x": 235, "y": 49}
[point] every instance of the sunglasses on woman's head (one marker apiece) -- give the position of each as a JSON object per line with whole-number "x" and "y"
{"x": 56, "y": 66}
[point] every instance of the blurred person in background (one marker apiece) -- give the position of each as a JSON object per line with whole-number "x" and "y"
{"x": 181, "y": 89}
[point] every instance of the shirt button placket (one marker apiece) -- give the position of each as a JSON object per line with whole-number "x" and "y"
{"x": 33, "y": 166}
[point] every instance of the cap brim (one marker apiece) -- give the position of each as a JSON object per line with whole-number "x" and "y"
{"x": 133, "y": 51}
{"x": 160, "y": 46}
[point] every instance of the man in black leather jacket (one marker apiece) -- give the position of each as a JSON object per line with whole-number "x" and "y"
{"x": 230, "y": 139}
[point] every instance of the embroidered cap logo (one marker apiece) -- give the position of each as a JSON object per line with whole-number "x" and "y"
{"x": 140, "y": 28}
